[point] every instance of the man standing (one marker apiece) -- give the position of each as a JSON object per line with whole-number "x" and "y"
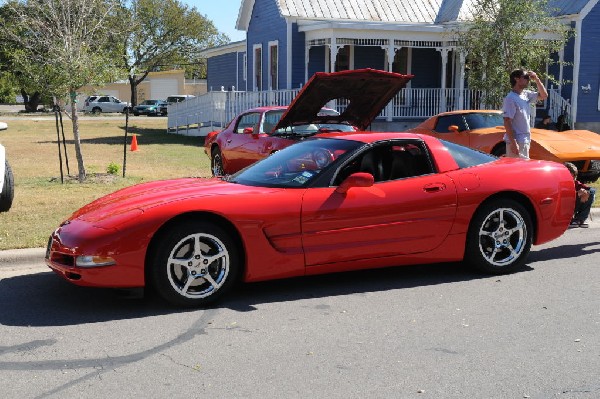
{"x": 517, "y": 112}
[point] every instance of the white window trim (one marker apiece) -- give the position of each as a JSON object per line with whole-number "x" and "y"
{"x": 273, "y": 43}
{"x": 254, "y": 48}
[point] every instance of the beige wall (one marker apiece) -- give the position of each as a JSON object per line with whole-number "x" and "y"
{"x": 122, "y": 90}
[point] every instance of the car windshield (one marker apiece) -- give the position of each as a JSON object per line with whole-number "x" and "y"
{"x": 150, "y": 102}
{"x": 481, "y": 120}
{"x": 272, "y": 117}
{"x": 466, "y": 157}
{"x": 296, "y": 165}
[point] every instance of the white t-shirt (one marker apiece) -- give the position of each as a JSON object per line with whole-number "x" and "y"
{"x": 517, "y": 107}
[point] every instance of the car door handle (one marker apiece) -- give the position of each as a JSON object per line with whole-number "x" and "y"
{"x": 434, "y": 187}
{"x": 228, "y": 141}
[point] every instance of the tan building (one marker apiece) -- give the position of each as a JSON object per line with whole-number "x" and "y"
{"x": 156, "y": 86}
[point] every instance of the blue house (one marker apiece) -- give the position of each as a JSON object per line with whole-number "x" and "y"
{"x": 289, "y": 40}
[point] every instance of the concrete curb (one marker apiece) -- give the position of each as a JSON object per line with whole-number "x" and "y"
{"x": 27, "y": 256}
{"x": 20, "y": 257}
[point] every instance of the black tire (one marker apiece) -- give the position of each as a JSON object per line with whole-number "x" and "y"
{"x": 8, "y": 190}
{"x": 216, "y": 163}
{"x": 499, "y": 150}
{"x": 499, "y": 237}
{"x": 96, "y": 110}
{"x": 136, "y": 114}
{"x": 197, "y": 252}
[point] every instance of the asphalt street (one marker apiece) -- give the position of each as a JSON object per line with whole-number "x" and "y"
{"x": 429, "y": 331}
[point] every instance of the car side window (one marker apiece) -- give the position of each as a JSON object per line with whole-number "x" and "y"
{"x": 390, "y": 161}
{"x": 103, "y": 100}
{"x": 444, "y": 122}
{"x": 248, "y": 120}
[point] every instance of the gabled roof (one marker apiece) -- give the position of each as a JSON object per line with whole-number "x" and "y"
{"x": 390, "y": 11}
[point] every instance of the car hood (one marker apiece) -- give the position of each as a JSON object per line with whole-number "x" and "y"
{"x": 367, "y": 91}
{"x": 133, "y": 201}
{"x": 569, "y": 143}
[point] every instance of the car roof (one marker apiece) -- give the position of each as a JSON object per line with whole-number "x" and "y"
{"x": 367, "y": 92}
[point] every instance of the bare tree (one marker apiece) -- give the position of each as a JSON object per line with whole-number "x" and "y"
{"x": 61, "y": 46}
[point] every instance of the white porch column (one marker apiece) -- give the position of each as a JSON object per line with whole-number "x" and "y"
{"x": 334, "y": 48}
{"x": 561, "y": 59}
{"x": 390, "y": 52}
{"x": 288, "y": 55}
{"x": 461, "y": 80}
{"x": 306, "y": 59}
{"x": 444, "y": 52}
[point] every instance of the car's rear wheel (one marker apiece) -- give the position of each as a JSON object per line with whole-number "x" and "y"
{"x": 194, "y": 264}
{"x": 8, "y": 190}
{"x": 216, "y": 163}
{"x": 96, "y": 110}
{"x": 499, "y": 237}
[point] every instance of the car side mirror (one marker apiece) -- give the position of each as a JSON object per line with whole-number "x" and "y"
{"x": 453, "y": 128}
{"x": 248, "y": 130}
{"x": 359, "y": 179}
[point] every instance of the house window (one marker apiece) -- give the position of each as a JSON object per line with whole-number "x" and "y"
{"x": 273, "y": 66}
{"x": 258, "y": 67}
{"x": 342, "y": 61}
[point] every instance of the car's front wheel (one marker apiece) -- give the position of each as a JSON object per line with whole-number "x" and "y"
{"x": 8, "y": 190}
{"x": 194, "y": 263}
{"x": 499, "y": 237}
{"x": 216, "y": 163}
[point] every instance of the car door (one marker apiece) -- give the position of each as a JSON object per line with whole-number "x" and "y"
{"x": 244, "y": 147}
{"x": 397, "y": 215}
{"x": 240, "y": 148}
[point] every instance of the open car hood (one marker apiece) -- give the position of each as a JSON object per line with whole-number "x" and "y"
{"x": 367, "y": 91}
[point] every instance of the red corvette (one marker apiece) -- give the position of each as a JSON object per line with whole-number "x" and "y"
{"x": 328, "y": 204}
{"x": 259, "y": 132}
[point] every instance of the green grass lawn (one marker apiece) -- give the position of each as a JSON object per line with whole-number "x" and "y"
{"x": 42, "y": 202}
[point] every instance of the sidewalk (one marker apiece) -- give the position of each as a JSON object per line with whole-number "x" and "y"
{"x": 27, "y": 256}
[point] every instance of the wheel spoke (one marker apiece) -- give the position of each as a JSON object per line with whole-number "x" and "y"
{"x": 188, "y": 283}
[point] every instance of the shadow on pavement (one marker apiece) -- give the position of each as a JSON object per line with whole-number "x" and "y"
{"x": 44, "y": 299}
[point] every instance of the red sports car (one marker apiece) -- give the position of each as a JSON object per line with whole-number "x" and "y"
{"x": 259, "y": 132}
{"x": 328, "y": 204}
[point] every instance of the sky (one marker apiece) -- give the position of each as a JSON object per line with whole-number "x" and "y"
{"x": 223, "y": 14}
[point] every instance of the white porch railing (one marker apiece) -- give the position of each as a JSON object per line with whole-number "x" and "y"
{"x": 215, "y": 109}
{"x": 558, "y": 106}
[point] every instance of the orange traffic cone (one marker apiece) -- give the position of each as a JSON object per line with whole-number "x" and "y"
{"x": 134, "y": 143}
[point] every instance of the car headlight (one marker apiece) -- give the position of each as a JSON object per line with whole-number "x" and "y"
{"x": 94, "y": 261}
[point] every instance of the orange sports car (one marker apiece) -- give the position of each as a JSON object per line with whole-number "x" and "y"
{"x": 484, "y": 131}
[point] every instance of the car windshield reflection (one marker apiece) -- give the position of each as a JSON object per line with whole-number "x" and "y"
{"x": 296, "y": 165}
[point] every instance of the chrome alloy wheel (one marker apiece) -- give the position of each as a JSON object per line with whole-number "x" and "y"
{"x": 198, "y": 266}
{"x": 502, "y": 237}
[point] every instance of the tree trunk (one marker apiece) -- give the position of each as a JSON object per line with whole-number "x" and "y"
{"x": 78, "y": 154}
{"x": 133, "y": 85}
{"x": 31, "y": 102}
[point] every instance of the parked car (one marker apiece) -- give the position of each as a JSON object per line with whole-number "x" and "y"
{"x": 484, "y": 130}
{"x": 259, "y": 132}
{"x": 374, "y": 199}
{"x": 330, "y": 203}
{"x": 98, "y": 104}
{"x": 174, "y": 99}
{"x": 149, "y": 107}
{"x": 7, "y": 183}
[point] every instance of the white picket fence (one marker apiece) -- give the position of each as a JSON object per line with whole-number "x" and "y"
{"x": 213, "y": 110}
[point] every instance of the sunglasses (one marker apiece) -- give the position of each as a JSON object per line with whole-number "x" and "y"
{"x": 526, "y": 77}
